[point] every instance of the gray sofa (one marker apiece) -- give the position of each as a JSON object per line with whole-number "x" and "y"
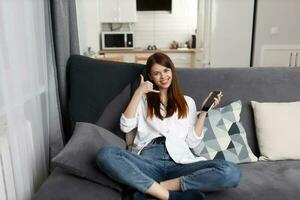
{"x": 274, "y": 180}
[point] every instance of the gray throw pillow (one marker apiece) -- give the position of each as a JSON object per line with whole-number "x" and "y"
{"x": 79, "y": 155}
{"x": 225, "y": 137}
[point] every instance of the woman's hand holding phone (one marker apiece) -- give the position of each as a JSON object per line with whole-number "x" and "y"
{"x": 212, "y": 100}
{"x": 146, "y": 86}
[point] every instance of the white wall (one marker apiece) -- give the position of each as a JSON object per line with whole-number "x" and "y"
{"x": 88, "y": 24}
{"x": 284, "y": 14}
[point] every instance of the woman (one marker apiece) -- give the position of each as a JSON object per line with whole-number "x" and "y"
{"x": 161, "y": 163}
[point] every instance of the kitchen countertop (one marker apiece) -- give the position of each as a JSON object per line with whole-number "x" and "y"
{"x": 141, "y": 50}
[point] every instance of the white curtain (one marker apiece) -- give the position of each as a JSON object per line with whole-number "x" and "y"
{"x": 28, "y": 99}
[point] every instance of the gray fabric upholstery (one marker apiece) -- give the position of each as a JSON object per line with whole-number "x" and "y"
{"x": 261, "y": 180}
{"x": 94, "y": 84}
{"x": 79, "y": 155}
{"x": 265, "y": 180}
{"x": 64, "y": 186}
{"x": 110, "y": 119}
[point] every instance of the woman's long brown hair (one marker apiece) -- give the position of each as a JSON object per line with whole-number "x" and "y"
{"x": 176, "y": 101}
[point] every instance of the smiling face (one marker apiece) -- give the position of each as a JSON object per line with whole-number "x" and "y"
{"x": 161, "y": 71}
{"x": 161, "y": 76}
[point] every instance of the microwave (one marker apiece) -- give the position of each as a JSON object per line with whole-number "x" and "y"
{"x": 117, "y": 40}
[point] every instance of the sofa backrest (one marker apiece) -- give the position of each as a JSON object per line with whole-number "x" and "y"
{"x": 256, "y": 83}
{"x": 259, "y": 84}
{"x": 93, "y": 85}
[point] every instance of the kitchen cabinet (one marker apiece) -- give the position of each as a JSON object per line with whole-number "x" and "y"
{"x": 180, "y": 59}
{"x": 297, "y": 59}
{"x": 281, "y": 57}
{"x": 117, "y": 11}
{"x": 128, "y": 57}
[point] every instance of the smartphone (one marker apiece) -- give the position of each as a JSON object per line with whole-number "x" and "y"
{"x": 210, "y": 102}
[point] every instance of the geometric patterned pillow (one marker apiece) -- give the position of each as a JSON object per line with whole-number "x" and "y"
{"x": 225, "y": 137}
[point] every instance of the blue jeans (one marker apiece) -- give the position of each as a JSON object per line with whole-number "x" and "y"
{"x": 155, "y": 164}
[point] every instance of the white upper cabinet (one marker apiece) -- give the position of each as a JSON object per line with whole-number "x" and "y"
{"x": 117, "y": 11}
{"x": 108, "y": 11}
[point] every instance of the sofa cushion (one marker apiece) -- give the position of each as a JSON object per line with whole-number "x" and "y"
{"x": 225, "y": 137}
{"x": 61, "y": 185}
{"x": 263, "y": 180}
{"x": 278, "y": 130}
{"x": 79, "y": 155}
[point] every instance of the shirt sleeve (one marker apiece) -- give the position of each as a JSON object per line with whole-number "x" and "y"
{"x": 128, "y": 124}
{"x": 192, "y": 138}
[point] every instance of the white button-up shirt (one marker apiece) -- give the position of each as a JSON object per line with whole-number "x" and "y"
{"x": 179, "y": 133}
